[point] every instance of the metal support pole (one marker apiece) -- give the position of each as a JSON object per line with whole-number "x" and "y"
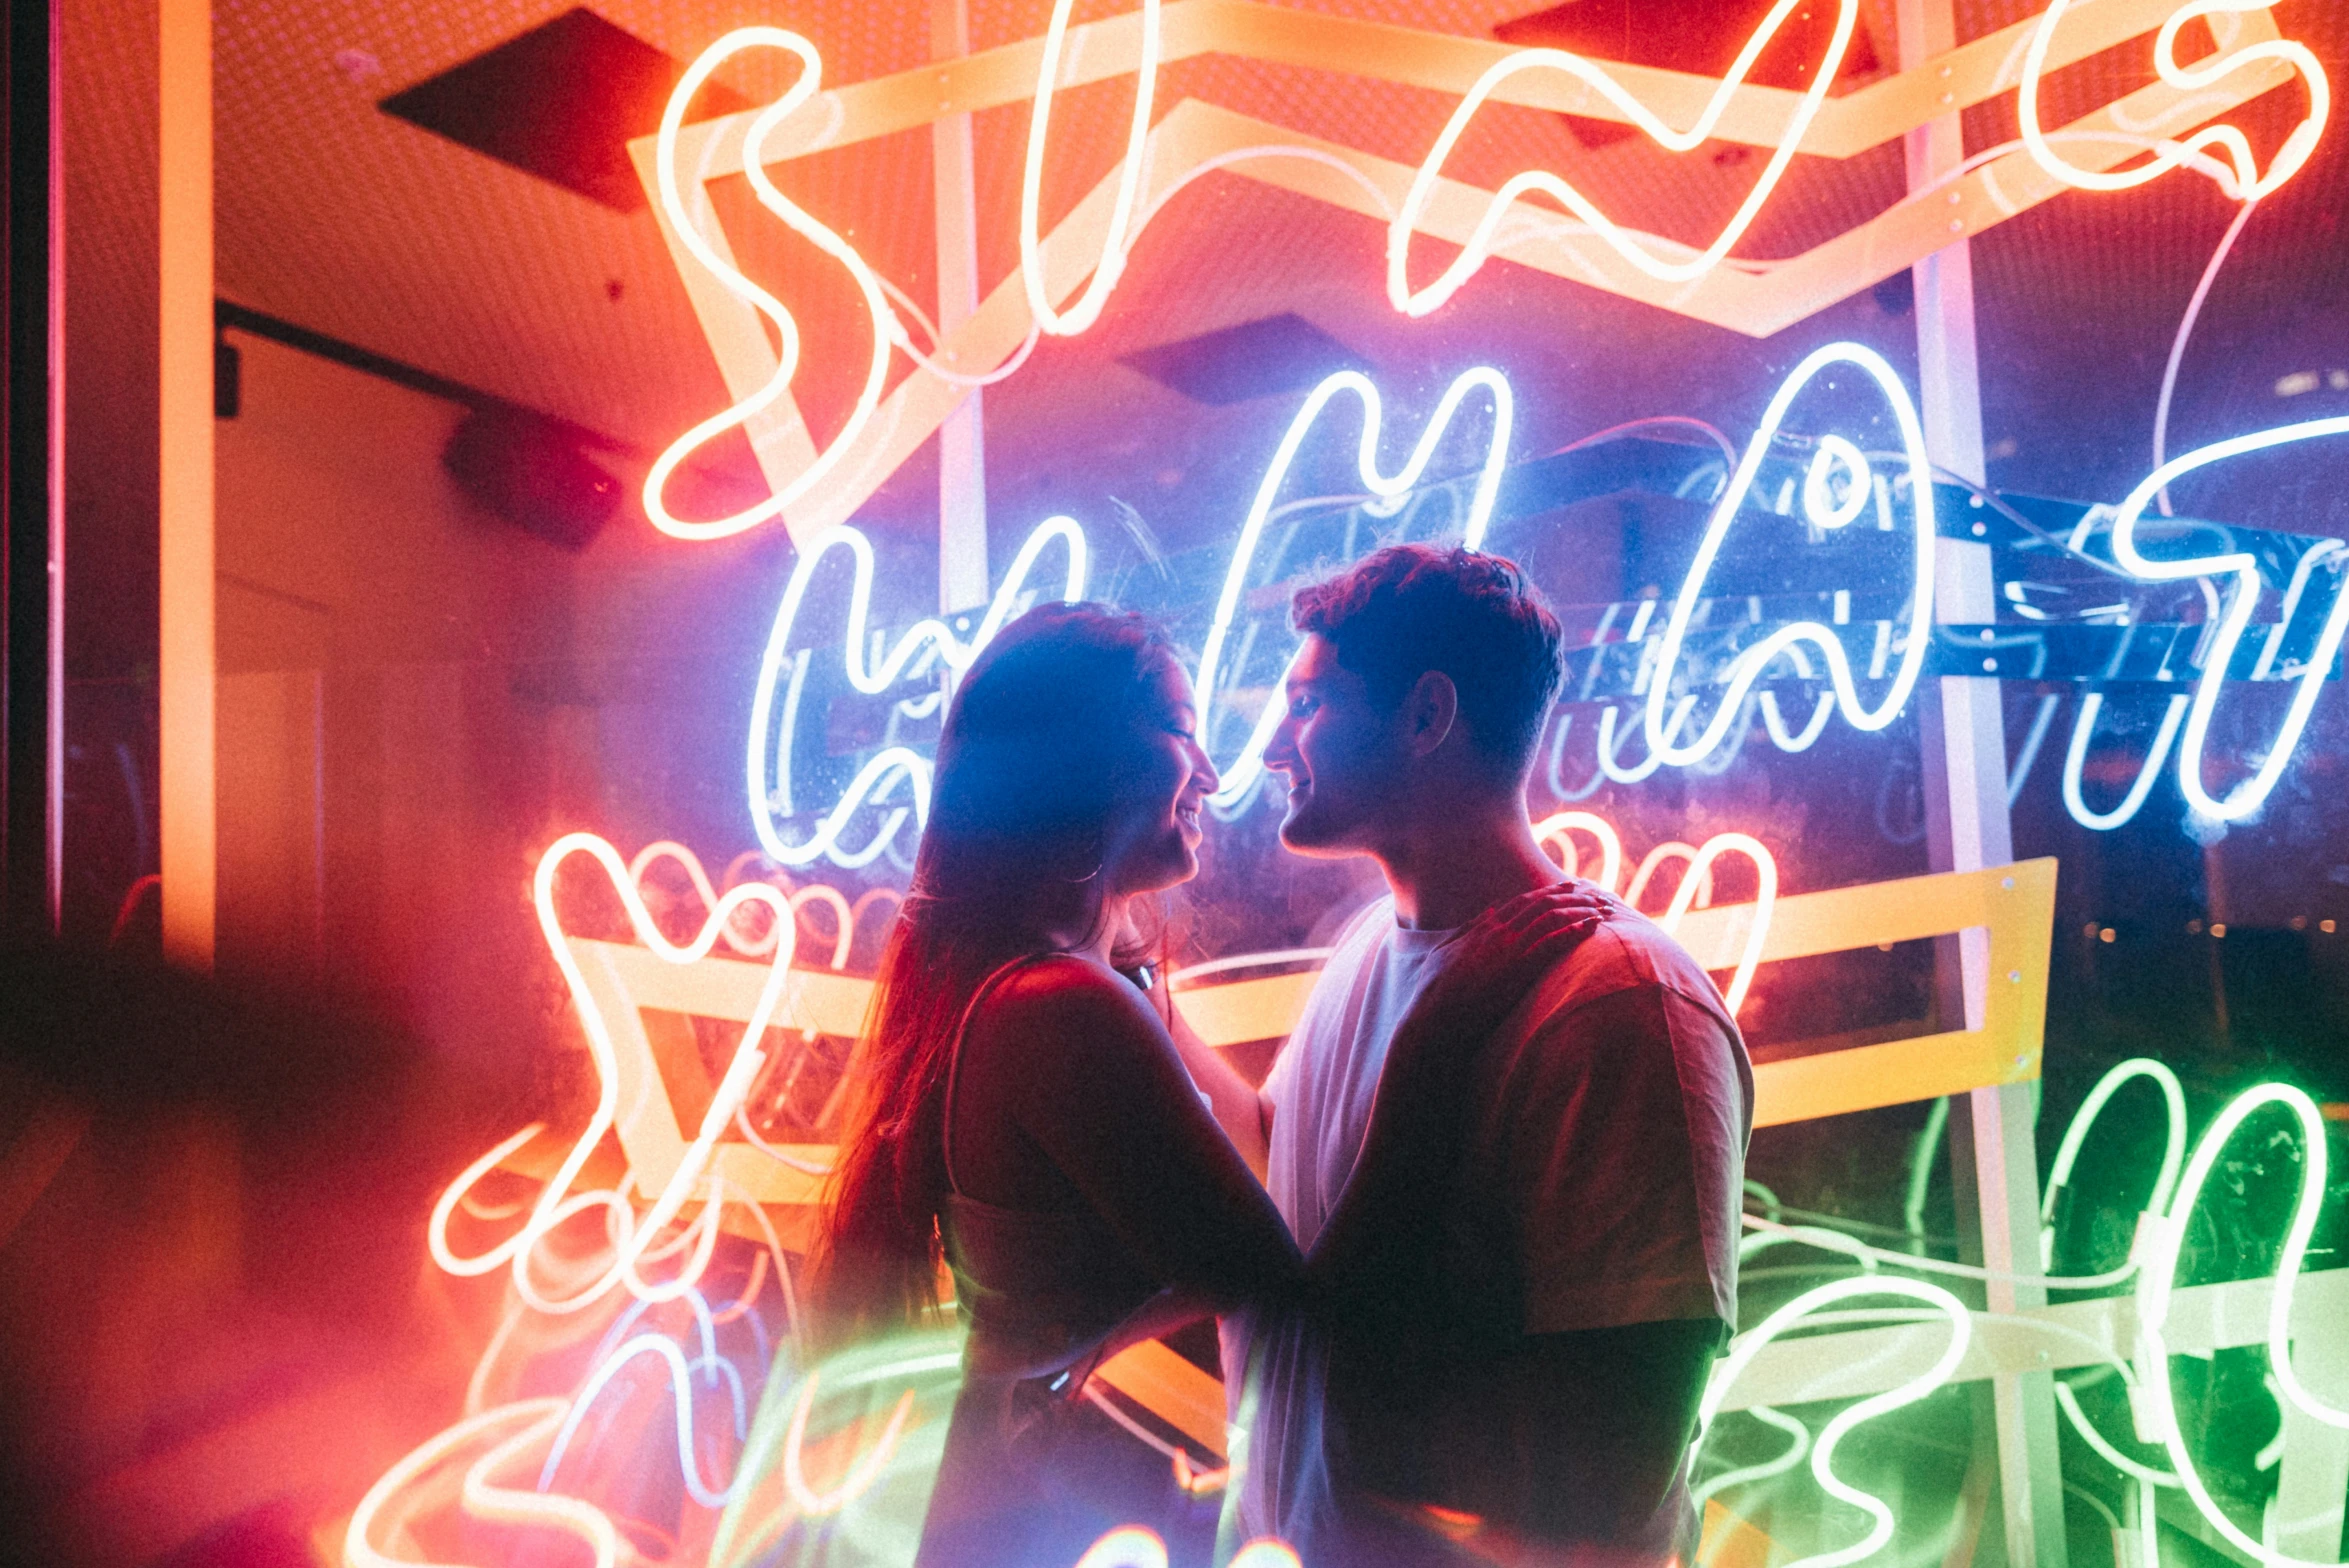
{"x": 1965, "y": 792}
{"x": 32, "y": 513}
{"x": 962, "y": 457}
{"x": 186, "y": 678}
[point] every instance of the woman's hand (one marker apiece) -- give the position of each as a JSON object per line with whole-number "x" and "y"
{"x": 1378, "y": 1237}
{"x": 1502, "y": 956}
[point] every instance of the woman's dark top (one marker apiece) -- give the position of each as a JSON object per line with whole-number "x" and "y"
{"x": 1086, "y": 1181}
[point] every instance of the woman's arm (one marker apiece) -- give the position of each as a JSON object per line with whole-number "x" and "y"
{"x": 1097, "y": 1084}
{"x": 1239, "y": 1106}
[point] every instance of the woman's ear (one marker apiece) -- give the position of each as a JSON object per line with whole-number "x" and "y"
{"x": 1430, "y": 710}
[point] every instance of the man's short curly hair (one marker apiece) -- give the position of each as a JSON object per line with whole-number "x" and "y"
{"x": 1409, "y": 608}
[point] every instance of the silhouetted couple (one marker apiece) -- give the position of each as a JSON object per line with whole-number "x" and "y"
{"x": 1473, "y": 1242}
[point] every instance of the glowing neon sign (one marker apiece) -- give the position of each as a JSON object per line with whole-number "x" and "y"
{"x": 1623, "y": 242}
{"x": 1241, "y": 776}
{"x": 2246, "y": 183}
{"x": 2241, "y": 599}
{"x": 930, "y": 637}
{"x": 1696, "y": 883}
{"x": 1112, "y": 262}
{"x": 1836, "y": 463}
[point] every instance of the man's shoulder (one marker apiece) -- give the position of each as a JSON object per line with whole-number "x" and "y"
{"x": 1627, "y": 952}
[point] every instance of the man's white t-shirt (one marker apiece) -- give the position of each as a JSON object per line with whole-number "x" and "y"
{"x": 1601, "y": 1184}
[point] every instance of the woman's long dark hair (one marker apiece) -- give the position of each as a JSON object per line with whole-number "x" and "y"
{"x": 1035, "y": 745}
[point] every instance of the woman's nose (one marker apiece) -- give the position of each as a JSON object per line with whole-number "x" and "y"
{"x": 1203, "y": 767}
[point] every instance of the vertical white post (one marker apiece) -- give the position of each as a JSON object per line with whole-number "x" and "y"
{"x": 962, "y": 456}
{"x": 1965, "y": 763}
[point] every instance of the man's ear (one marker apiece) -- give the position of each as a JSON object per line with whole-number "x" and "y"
{"x": 1430, "y": 711}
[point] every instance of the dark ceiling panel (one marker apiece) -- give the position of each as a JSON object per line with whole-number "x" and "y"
{"x": 561, "y": 102}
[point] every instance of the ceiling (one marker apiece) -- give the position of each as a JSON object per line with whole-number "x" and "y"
{"x": 345, "y": 220}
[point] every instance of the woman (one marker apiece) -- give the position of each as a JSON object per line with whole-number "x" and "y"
{"x": 1029, "y": 1121}
{"x": 1026, "y": 1111}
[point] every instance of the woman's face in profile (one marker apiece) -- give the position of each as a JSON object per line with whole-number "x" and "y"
{"x": 1155, "y": 835}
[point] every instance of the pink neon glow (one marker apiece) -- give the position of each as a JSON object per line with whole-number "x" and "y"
{"x": 1696, "y": 884}
{"x": 633, "y": 1236}
{"x": 2244, "y": 182}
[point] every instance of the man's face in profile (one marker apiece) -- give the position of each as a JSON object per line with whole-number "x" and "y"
{"x": 1338, "y": 752}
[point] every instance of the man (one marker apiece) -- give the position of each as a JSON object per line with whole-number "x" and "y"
{"x": 1523, "y": 1366}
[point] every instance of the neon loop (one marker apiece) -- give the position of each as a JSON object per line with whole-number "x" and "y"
{"x": 1112, "y": 260}
{"x": 557, "y": 1201}
{"x": 2158, "y": 1277}
{"x": 1622, "y": 241}
{"x": 2246, "y": 183}
{"x": 1789, "y": 1317}
{"x": 1558, "y": 829}
{"x": 882, "y": 771}
{"x": 2251, "y": 793}
{"x": 2076, "y": 757}
{"x": 885, "y": 325}
{"x": 1248, "y": 767}
{"x": 1695, "y": 883}
{"x": 1750, "y": 663}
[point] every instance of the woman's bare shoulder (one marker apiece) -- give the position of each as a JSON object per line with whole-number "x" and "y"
{"x": 1065, "y": 1001}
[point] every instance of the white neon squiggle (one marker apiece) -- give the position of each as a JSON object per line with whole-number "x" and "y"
{"x": 1749, "y": 664}
{"x": 2158, "y": 1278}
{"x": 1480, "y": 241}
{"x": 2076, "y": 757}
{"x": 681, "y": 1389}
{"x": 1556, "y": 829}
{"x": 2067, "y": 1152}
{"x": 1700, "y": 873}
{"x": 1241, "y": 776}
{"x": 885, "y": 325}
{"x": 557, "y": 1202}
{"x": 485, "y": 1499}
{"x": 1112, "y": 263}
{"x": 1751, "y": 1344}
{"x": 884, "y": 766}
{"x": 2246, "y": 183}
{"x": 2249, "y": 795}
{"x": 536, "y": 1416}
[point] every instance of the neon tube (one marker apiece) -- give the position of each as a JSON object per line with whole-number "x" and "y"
{"x": 860, "y": 1475}
{"x": 2248, "y": 796}
{"x": 885, "y": 325}
{"x": 1749, "y": 664}
{"x": 557, "y": 1202}
{"x": 932, "y": 635}
{"x": 1750, "y": 1344}
{"x": 2247, "y": 183}
{"x": 359, "y": 1551}
{"x": 1556, "y": 828}
{"x": 681, "y": 1390}
{"x": 1480, "y": 241}
{"x": 1112, "y": 261}
{"x": 2067, "y": 1152}
{"x": 2076, "y": 756}
{"x": 484, "y": 1499}
{"x": 1765, "y": 902}
{"x": 1241, "y": 776}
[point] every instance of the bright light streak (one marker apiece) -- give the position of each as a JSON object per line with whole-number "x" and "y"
{"x": 1653, "y": 861}
{"x": 885, "y": 325}
{"x": 557, "y": 1202}
{"x": 2246, "y": 183}
{"x": 1750, "y": 1344}
{"x": 860, "y": 1475}
{"x": 884, "y": 766}
{"x": 1557, "y": 829}
{"x": 507, "y": 1505}
{"x": 2157, "y": 1279}
{"x": 537, "y": 1416}
{"x": 2248, "y": 796}
{"x": 2067, "y": 1152}
{"x": 1127, "y": 1546}
{"x": 1112, "y": 263}
{"x": 1241, "y": 776}
{"x": 1749, "y": 664}
{"x": 1769, "y": 1468}
{"x": 1622, "y": 241}
{"x": 681, "y": 1390}
{"x": 2076, "y": 757}
{"x": 1765, "y": 902}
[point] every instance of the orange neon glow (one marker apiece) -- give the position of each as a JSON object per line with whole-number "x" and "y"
{"x": 1696, "y": 883}
{"x": 632, "y": 1235}
{"x": 2239, "y": 176}
{"x": 1626, "y": 244}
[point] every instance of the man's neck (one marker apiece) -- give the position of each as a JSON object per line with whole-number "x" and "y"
{"x": 1457, "y": 863}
